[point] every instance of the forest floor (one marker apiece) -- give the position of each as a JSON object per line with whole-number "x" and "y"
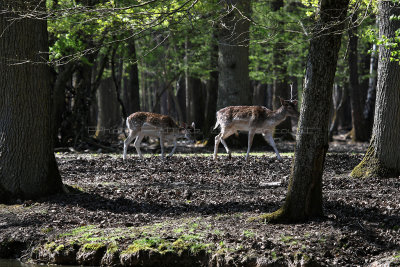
{"x": 189, "y": 210}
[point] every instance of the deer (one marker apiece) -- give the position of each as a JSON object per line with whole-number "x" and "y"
{"x": 254, "y": 120}
{"x": 141, "y": 124}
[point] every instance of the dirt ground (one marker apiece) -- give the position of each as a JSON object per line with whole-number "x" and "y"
{"x": 190, "y": 203}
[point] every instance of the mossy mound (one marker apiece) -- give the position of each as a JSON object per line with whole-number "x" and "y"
{"x": 371, "y": 166}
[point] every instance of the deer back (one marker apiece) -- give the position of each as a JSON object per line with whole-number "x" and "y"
{"x": 138, "y": 119}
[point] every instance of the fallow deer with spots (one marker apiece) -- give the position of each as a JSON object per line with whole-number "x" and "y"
{"x": 141, "y": 124}
{"x": 254, "y": 120}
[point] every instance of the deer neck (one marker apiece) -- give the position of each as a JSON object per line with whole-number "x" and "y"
{"x": 278, "y": 115}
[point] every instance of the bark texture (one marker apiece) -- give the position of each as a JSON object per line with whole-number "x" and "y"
{"x": 233, "y": 59}
{"x": 28, "y": 169}
{"x": 132, "y": 91}
{"x": 360, "y": 128}
{"x": 304, "y": 197}
{"x": 383, "y": 158}
{"x": 108, "y": 116}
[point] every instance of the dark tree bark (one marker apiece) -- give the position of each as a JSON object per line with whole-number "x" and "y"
{"x": 304, "y": 197}
{"x": 59, "y": 95}
{"x": 233, "y": 61}
{"x": 357, "y": 99}
{"x": 108, "y": 115}
{"x": 181, "y": 96}
{"x": 369, "y": 107}
{"x": 382, "y": 158}
{"x": 82, "y": 83}
{"x": 345, "y": 112}
{"x": 28, "y": 169}
{"x": 211, "y": 90}
{"x": 133, "y": 97}
{"x": 260, "y": 94}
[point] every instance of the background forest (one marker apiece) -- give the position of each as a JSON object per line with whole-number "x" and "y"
{"x": 73, "y": 70}
{"x": 190, "y": 58}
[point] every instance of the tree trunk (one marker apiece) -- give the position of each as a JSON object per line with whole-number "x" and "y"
{"x": 133, "y": 97}
{"x": 211, "y": 90}
{"x": 108, "y": 115}
{"x": 59, "y": 94}
{"x": 28, "y": 169}
{"x": 181, "y": 96}
{"x": 382, "y": 158}
{"x": 369, "y": 107}
{"x": 304, "y": 197}
{"x": 260, "y": 94}
{"x": 280, "y": 84}
{"x": 233, "y": 61}
{"x": 359, "y": 131}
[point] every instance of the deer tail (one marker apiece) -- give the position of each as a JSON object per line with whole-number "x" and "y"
{"x": 216, "y": 125}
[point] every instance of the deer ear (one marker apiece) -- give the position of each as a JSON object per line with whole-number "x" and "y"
{"x": 193, "y": 125}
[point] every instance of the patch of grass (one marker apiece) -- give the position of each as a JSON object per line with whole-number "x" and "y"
{"x": 143, "y": 244}
{"x": 286, "y": 239}
{"x": 59, "y": 248}
{"x": 50, "y": 246}
{"x": 112, "y": 248}
{"x": 248, "y": 234}
{"x": 46, "y": 230}
{"x": 218, "y": 232}
{"x": 92, "y": 246}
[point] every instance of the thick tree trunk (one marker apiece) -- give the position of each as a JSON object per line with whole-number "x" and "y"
{"x": 382, "y": 158}
{"x": 304, "y": 197}
{"x": 233, "y": 61}
{"x": 359, "y": 131}
{"x": 28, "y": 169}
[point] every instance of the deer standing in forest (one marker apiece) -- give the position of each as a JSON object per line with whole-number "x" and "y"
{"x": 141, "y": 124}
{"x": 252, "y": 119}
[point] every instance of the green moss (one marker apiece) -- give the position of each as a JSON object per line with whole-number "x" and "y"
{"x": 275, "y": 216}
{"x": 286, "y": 239}
{"x": 143, "y": 244}
{"x": 92, "y": 246}
{"x": 50, "y": 246}
{"x": 371, "y": 166}
{"x": 112, "y": 248}
{"x": 248, "y": 234}
{"x": 47, "y": 230}
{"x": 60, "y": 248}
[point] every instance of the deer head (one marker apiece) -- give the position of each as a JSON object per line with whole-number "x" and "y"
{"x": 290, "y": 107}
{"x": 188, "y": 131}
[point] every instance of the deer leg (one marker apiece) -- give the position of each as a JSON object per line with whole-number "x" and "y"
{"x": 226, "y": 135}
{"x": 217, "y": 141}
{"x": 173, "y": 150}
{"x": 268, "y": 137}
{"x": 127, "y": 141}
{"x": 162, "y": 145}
{"x": 249, "y": 143}
{"x": 138, "y": 140}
